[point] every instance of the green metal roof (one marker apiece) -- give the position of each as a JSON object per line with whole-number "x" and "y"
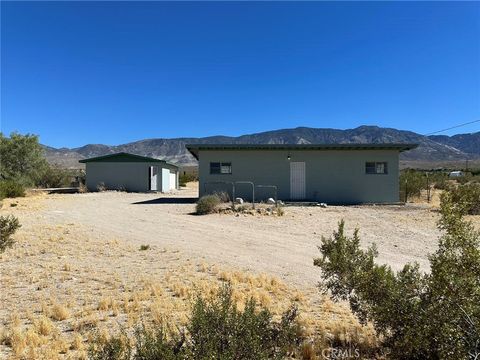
{"x": 195, "y": 148}
{"x": 124, "y": 157}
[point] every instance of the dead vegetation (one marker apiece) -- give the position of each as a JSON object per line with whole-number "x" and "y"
{"x": 62, "y": 285}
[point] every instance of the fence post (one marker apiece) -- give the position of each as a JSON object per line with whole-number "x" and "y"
{"x": 428, "y": 189}
{"x": 406, "y": 191}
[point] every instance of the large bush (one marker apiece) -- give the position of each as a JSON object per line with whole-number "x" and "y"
{"x": 208, "y": 204}
{"x": 52, "y": 176}
{"x": 216, "y": 330}
{"x": 466, "y": 198}
{"x": 11, "y": 189}
{"x": 22, "y": 158}
{"x": 411, "y": 184}
{"x": 419, "y": 316}
{"x": 183, "y": 179}
{"x": 8, "y": 225}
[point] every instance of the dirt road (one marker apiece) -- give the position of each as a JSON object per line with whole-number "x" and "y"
{"x": 284, "y": 246}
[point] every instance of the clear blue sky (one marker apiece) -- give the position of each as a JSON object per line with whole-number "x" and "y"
{"x": 114, "y": 72}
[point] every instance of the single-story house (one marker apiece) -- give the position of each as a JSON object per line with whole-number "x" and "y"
{"x": 129, "y": 172}
{"x": 331, "y": 173}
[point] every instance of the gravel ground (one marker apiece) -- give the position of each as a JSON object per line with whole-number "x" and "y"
{"x": 284, "y": 246}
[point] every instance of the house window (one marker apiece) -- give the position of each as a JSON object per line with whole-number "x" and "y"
{"x": 220, "y": 168}
{"x": 376, "y": 168}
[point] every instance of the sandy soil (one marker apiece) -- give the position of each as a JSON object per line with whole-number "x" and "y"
{"x": 284, "y": 246}
{"x": 77, "y": 264}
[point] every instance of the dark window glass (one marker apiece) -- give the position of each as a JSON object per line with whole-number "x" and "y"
{"x": 220, "y": 168}
{"x": 214, "y": 168}
{"x": 376, "y": 168}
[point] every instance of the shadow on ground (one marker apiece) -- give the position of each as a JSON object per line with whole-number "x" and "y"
{"x": 172, "y": 200}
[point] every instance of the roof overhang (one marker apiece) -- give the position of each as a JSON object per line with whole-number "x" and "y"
{"x": 194, "y": 149}
{"x": 125, "y": 157}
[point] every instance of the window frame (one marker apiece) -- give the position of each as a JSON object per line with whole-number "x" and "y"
{"x": 375, "y": 167}
{"x": 221, "y": 164}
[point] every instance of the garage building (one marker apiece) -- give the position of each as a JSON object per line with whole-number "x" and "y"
{"x": 331, "y": 173}
{"x": 129, "y": 172}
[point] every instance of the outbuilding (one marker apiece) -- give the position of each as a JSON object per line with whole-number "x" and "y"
{"x": 129, "y": 172}
{"x": 330, "y": 173}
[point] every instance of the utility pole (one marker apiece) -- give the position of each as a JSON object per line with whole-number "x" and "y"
{"x": 466, "y": 165}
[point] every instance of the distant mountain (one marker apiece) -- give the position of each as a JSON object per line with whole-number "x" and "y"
{"x": 431, "y": 148}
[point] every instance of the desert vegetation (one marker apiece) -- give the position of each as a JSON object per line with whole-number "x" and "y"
{"x": 8, "y": 225}
{"x": 216, "y": 329}
{"x": 24, "y": 165}
{"x": 418, "y": 315}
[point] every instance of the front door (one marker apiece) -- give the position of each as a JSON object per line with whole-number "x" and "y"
{"x": 153, "y": 172}
{"x": 297, "y": 180}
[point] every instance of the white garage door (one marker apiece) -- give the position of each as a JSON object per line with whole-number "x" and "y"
{"x": 173, "y": 180}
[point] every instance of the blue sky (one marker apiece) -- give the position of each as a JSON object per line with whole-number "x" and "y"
{"x": 114, "y": 72}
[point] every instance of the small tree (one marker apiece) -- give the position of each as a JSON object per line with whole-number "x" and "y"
{"x": 420, "y": 316}
{"x": 22, "y": 158}
{"x": 8, "y": 225}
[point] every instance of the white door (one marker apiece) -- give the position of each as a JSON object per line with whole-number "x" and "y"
{"x": 153, "y": 172}
{"x": 297, "y": 180}
{"x": 173, "y": 181}
{"x": 165, "y": 180}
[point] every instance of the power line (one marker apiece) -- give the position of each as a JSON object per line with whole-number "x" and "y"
{"x": 453, "y": 127}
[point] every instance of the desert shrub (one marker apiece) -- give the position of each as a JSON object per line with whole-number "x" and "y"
{"x": 183, "y": 179}
{"x": 8, "y": 225}
{"x": 411, "y": 183}
{"x": 280, "y": 211}
{"x": 53, "y": 176}
{"x": 439, "y": 180}
{"x": 144, "y": 247}
{"x": 11, "y": 189}
{"x": 216, "y": 330}
{"x": 115, "y": 348}
{"x": 465, "y": 197}
{"x": 22, "y": 158}
{"x": 101, "y": 186}
{"x": 419, "y": 316}
{"x": 223, "y": 196}
{"x": 207, "y": 204}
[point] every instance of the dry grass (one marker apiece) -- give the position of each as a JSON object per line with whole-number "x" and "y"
{"x": 61, "y": 283}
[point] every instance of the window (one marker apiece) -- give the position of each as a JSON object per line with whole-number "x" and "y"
{"x": 220, "y": 168}
{"x": 376, "y": 168}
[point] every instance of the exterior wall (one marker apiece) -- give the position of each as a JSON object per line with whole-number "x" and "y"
{"x": 131, "y": 176}
{"x": 332, "y": 176}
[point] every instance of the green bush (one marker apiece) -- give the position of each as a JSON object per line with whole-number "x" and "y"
{"x": 465, "y": 197}
{"x": 411, "y": 183}
{"x": 53, "y": 176}
{"x": 216, "y": 330}
{"x": 419, "y": 316}
{"x": 439, "y": 180}
{"x": 207, "y": 204}
{"x": 8, "y": 225}
{"x": 22, "y": 158}
{"x": 183, "y": 179}
{"x": 11, "y": 189}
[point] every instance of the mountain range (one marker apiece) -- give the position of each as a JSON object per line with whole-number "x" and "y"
{"x": 431, "y": 149}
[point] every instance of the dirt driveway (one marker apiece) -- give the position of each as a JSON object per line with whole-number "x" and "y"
{"x": 284, "y": 246}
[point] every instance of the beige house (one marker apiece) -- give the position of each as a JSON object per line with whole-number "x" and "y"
{"x": 331, "y": 173}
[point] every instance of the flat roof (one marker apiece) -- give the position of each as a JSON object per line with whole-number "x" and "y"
{"x": 195, "y": 148}
{"x": 125, "y": 157}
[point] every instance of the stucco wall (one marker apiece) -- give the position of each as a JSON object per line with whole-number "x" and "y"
{"x": 131, "y": 176}
{"x": 332, "y": 176}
